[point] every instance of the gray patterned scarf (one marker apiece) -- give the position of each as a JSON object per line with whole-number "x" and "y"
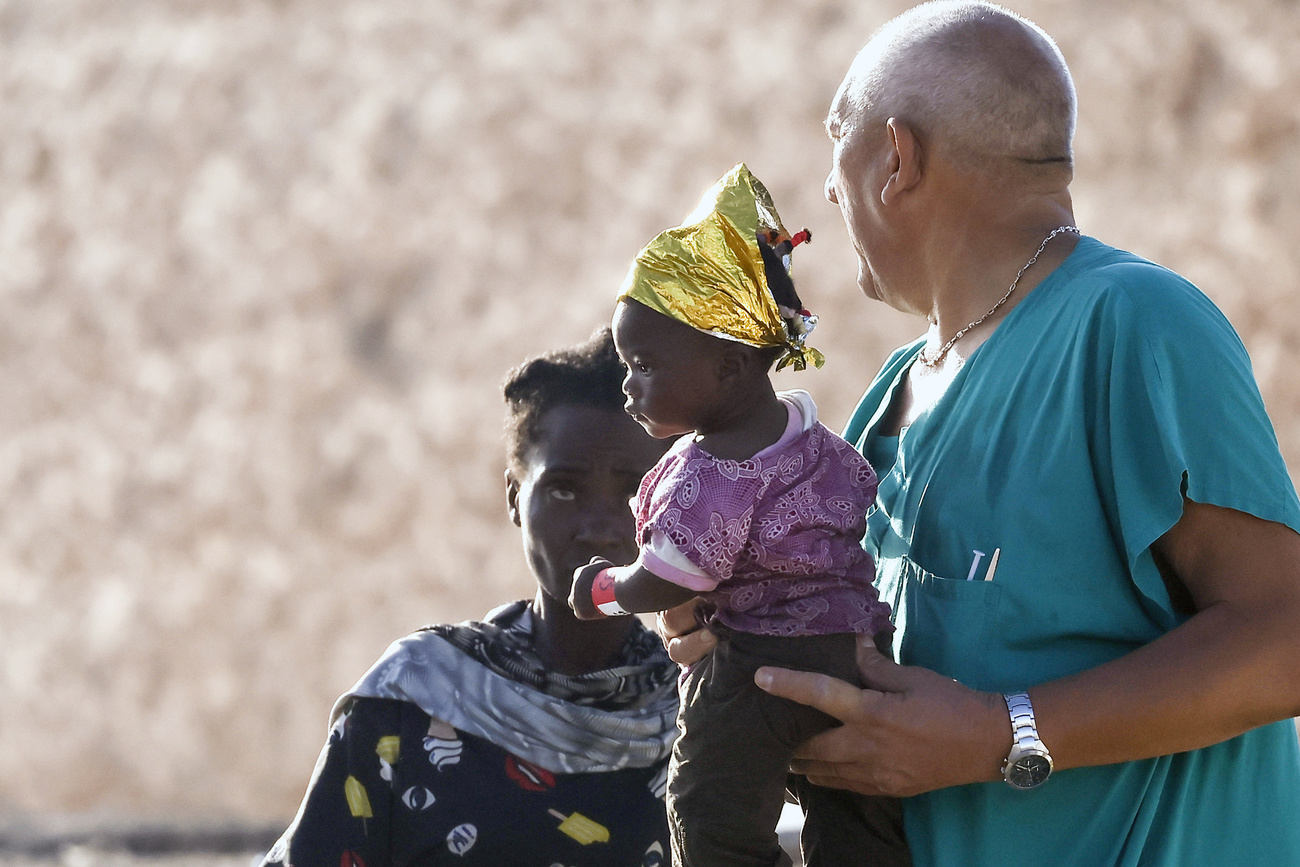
{"x": 485, "y": 678}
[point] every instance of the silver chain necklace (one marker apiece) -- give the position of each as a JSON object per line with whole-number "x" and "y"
{"x": 938, "y": 358}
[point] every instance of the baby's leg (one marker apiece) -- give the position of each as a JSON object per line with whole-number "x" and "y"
{"x": 730, "y": 765}
{"x": 842, "y": 827}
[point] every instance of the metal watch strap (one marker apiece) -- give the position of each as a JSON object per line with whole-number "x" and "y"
{"x": 1028, "y": 764}
{"x": 1024, "y": 731}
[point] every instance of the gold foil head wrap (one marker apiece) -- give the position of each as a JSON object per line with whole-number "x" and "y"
{"x": 708, "y": 272}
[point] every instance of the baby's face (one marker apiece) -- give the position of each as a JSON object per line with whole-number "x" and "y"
{"x": 672, "y": 382}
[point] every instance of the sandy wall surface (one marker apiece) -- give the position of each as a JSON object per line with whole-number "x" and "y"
{"x": 263, "y": 265}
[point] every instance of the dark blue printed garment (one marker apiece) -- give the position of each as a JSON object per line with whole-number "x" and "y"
{"x": 395, "y": 787}
{"x": 460, "y": 746}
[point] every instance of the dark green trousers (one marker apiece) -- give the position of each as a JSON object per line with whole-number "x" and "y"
{"x": 730, "y": 766}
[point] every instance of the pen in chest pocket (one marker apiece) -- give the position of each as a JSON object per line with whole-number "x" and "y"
{"x": 977, "y": 559}
{"x": 993, "y": 564}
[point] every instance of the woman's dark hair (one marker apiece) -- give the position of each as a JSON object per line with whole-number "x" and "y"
{"x": 589, "y": 374}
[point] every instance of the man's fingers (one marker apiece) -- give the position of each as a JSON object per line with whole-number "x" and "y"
{"x": 691, "y": 648}
{"x": 879, "y": 671}
{"x": 827, "y": 694}
{"x": 828, "y": 776}
{"x": 686, "y": 640}
{"x": 677, "y": 621}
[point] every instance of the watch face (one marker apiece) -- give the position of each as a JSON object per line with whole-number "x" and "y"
{"x": 1029, "y": 771}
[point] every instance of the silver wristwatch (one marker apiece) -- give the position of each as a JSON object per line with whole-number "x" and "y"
{"x": 1028, "y": 765}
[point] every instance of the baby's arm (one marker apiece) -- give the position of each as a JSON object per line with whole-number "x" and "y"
{"x": 636, "y": 589}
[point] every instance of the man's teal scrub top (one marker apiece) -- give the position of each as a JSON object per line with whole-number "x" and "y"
{"x": 1063, "y": 449}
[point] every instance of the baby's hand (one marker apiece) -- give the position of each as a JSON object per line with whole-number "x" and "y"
{"x": 580, "y": 594}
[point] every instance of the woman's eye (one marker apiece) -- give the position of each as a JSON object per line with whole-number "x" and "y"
{"x": 564, "y": 495}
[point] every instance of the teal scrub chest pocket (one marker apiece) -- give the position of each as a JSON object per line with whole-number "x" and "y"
{"x": 958, "y": 619}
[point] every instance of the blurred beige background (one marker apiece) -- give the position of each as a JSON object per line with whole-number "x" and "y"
{"x": 264, "y": 263}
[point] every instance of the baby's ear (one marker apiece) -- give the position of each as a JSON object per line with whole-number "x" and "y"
{"x": 735, "y": 362}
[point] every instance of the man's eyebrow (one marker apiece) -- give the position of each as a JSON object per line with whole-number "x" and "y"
{"x": 832, "y": 124}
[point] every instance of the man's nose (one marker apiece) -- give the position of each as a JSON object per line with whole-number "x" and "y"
{"x": 830, "y": 189}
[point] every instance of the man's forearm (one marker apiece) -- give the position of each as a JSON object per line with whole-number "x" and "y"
{"x": 1228, "y": 669}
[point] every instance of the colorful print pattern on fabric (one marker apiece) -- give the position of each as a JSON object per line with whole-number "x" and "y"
{"x": 379, "y": 798}
{"x": 779, "y": 534}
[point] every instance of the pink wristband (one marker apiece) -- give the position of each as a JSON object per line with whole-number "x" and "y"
{"x": 602, "y": 595}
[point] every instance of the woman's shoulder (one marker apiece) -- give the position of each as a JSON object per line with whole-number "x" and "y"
{"x": 513, "y": 616}
{"x": 424, "y": 666}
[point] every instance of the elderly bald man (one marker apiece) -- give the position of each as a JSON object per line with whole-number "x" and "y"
{"x": 1084, "y": 523}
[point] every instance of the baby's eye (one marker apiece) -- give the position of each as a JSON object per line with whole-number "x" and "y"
{"x": 564, "y": 495}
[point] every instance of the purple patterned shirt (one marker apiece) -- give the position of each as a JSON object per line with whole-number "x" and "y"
{"x": 772, "y": 543}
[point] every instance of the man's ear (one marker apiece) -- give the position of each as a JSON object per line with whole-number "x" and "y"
{"x": 904, "y": 161}
{"x": 512, "y": 497}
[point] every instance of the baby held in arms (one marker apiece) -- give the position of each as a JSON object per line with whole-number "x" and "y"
{"x": 759, "y": 510}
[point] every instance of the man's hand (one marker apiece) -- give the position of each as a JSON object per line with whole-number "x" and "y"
{"x": 686, "y": 641}
{"x": 909, "y": 731}
{"x": 580, "y": 593}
